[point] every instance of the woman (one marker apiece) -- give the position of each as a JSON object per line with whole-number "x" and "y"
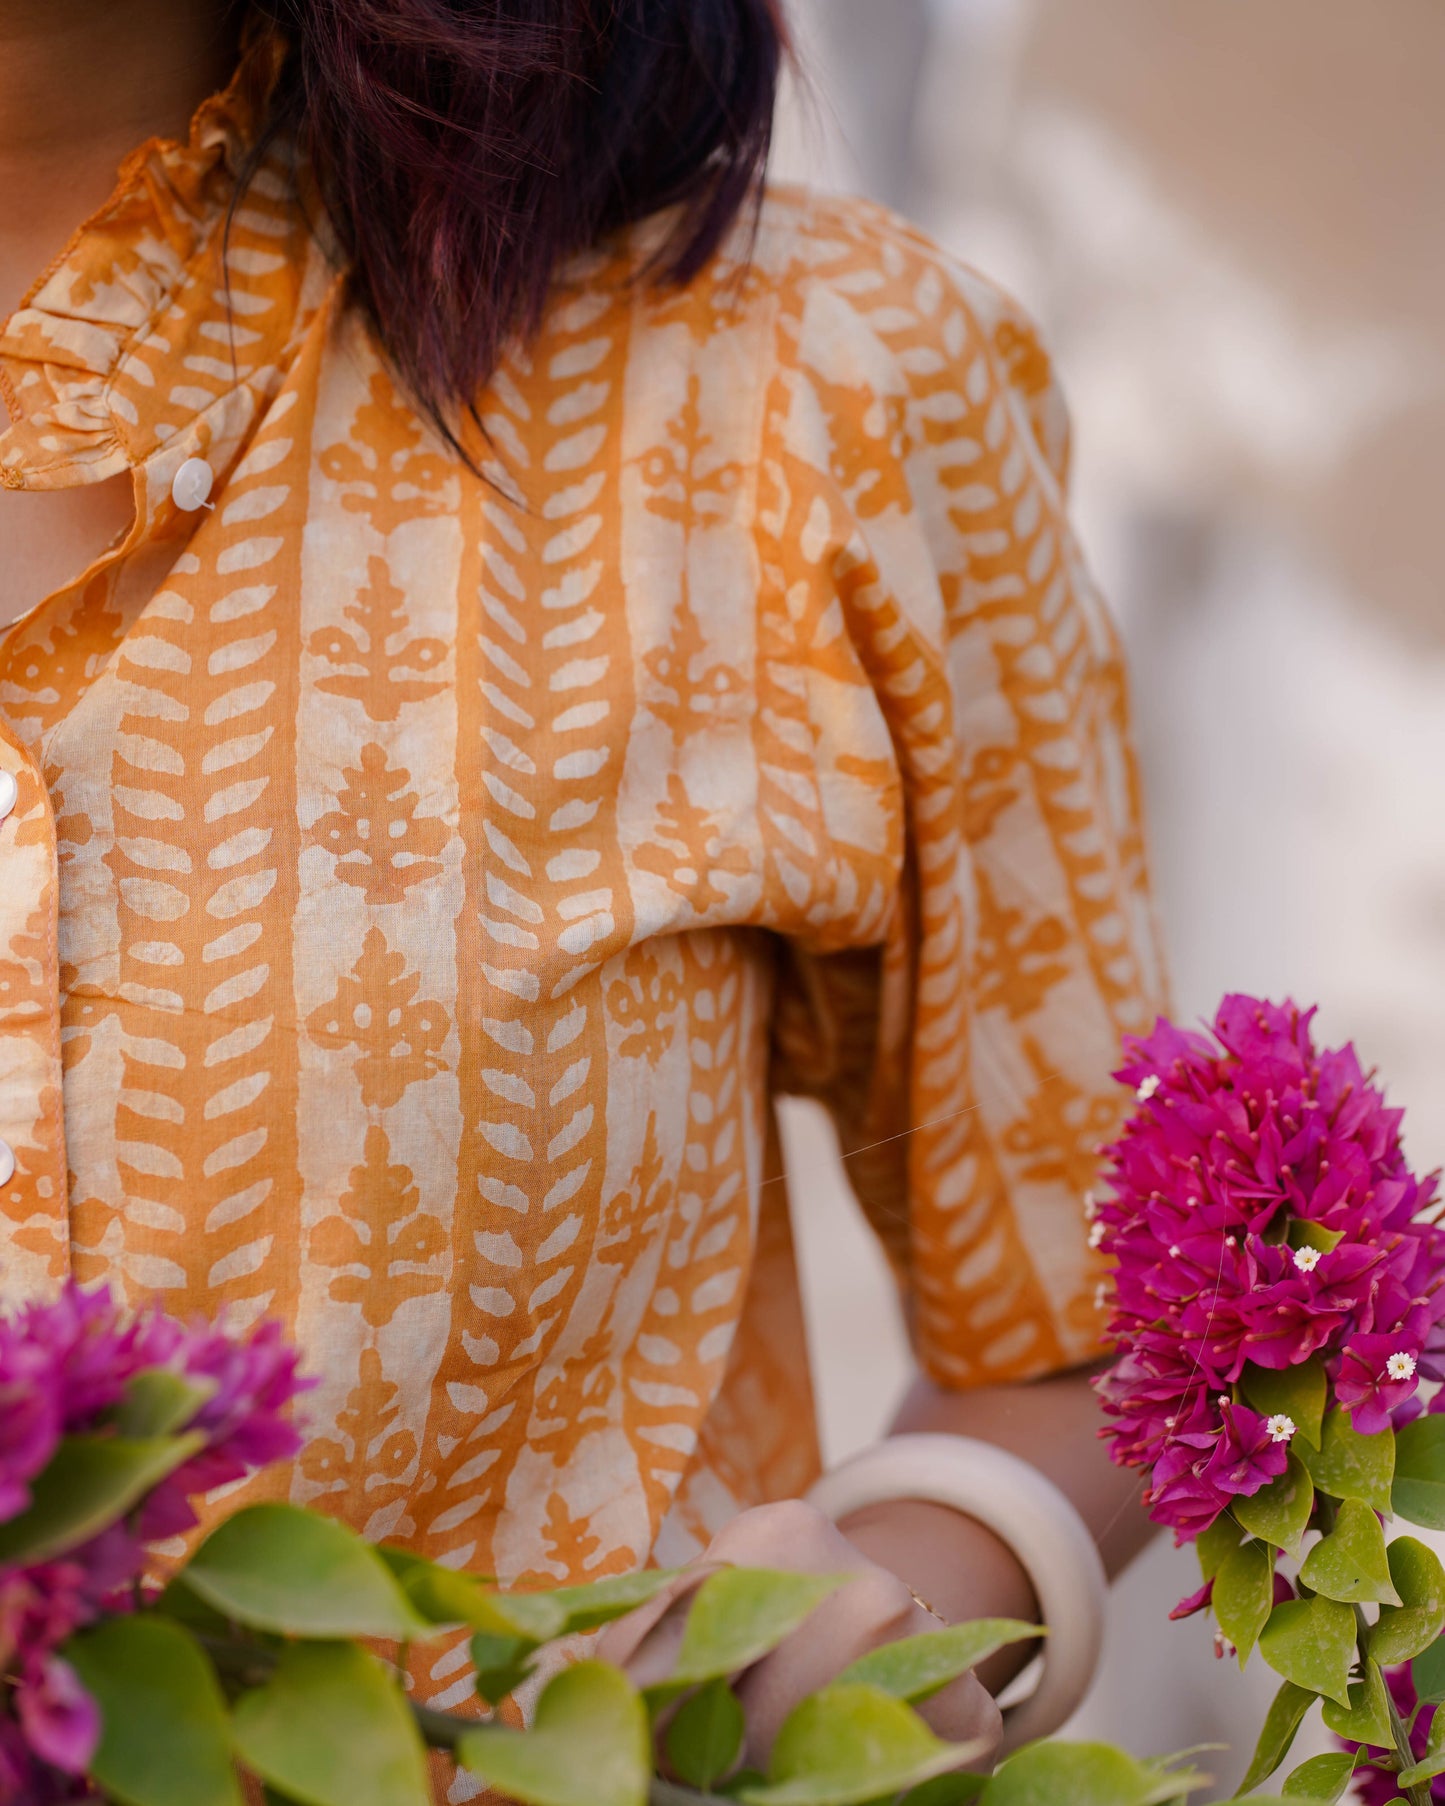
{"x": 512, "y": 657}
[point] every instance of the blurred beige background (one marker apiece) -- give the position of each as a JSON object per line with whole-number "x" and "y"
{"x": 1230, "y": 219}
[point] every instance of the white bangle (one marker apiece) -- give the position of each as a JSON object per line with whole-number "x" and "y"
{"x": 1023, "y": 1509}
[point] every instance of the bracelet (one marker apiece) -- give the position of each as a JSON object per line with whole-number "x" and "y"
{"x": 1023, "y": 1509}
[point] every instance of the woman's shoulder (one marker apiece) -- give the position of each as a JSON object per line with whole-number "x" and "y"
{"x": 858, "y": 301}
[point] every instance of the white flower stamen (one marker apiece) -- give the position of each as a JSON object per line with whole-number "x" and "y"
{"x": 1175, "y": 1251}
{"x": 1101, "y": 1295}
{"x": 1306, "y": 1259}
{"x": 1097, "y": 1231}
{"x": 1401, "y": 1366}
{"x": 1091, "y": 1207}
{"x": 1280, "y": 1428}
{"x": 1148, "y": 1088}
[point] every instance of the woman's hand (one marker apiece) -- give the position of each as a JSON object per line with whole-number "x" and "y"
{"x": 872, "y": 1608}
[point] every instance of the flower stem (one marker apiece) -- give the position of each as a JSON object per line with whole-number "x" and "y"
{"x": 1399, "y": 1730}
{"x": 1420, "y": 1794}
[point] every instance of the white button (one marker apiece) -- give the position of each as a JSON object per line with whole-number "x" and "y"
{"x": 192, "y": 485}
{"x": 9, "y": 793}
{"x": 7, "y": 1163}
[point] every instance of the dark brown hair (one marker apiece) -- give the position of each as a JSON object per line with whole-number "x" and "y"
{"x": 463, "y": 149}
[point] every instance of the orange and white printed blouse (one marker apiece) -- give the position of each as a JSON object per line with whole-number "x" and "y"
{"x": 418, "y": 886}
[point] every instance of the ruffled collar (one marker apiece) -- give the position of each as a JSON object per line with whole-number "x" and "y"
{"x": 115, "y": 352}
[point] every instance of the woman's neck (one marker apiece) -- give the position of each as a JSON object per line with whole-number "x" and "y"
{"x": 82, "y": 82}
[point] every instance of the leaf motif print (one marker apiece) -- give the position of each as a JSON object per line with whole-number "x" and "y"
{"x": 1057, "y": 1139}
{"x": 871, "y": 444}
{"x": 640, "y": 1208}
{"x": 571, "y": 1547}
{"x": 379, "y": 842}
{"x": 382, "y": 1249}
{"x": 371, "y": 670}
{"x": 689, "y": 852}
{"x": 372, "y": 1456}
{"x": 644, "y": 1005}
{"x": 374, "y": 1013}
{"x": 385, "y": 468}
{"x": 1017, "y": 960}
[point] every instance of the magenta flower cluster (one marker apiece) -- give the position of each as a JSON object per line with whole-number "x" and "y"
{"x": 64, "y": 1367}
{"x": 1261, "y": 1210}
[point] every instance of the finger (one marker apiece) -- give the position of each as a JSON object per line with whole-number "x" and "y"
{"x": 873, "y": 1609}
{"x": 963, "y": 1711}
{"x": 789, "y": 1534}
{"x": 646, "y": 1642}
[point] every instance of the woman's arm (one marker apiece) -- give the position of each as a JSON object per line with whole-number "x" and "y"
{"x": 909, "y": 1547}
{"x": 961, "y": 1568}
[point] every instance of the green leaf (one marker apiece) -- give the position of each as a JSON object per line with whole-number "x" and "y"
{"x": 1350, "y": 1563}
{"x": 1221, "y": 1539}
{"x": 1432, "y": 1763}
{"x": 739, "y": 1614}
{"x": 1295, "y": 1392}
{"x": 448, "y": 1597}
{"x": 705, "y": 1737}
{"x": 1312, "y": 1643}
{"x": 158, "y": 1402}
{"x": 848, "y": 1745}
{"x": 947, "y": 1790}
{"x": 589, "y": 1745}
{"x": 1082, "y": 1774}
{"x": 90, "y": 1483}
{"x": 589, "y": 1607}
{"x": 1280, "y": 1513}
{"x": 501, "y": 1664}
{"x": 915, "y": 1667}
{"x": 1427, "y": 1671}
{"x": 279, "y": 1568}
{"x": 1403, "y": 1631}
{"x": 1244, "y": 1596}
{"x": 1347, "y": 1465}
{"x": 445, "y": 1596}
{"x": 1367, "y": 1717}
{"x": 1321, "y": 1780}
{"x": 166, "y": 1740}
{"x": 1422, "y": 1771}
{"x": 1284, "y": 1718}
{"x": 330, "y": 1728}
{"x": 179, "y": 1602}
{"x": 1419, "y": 1494}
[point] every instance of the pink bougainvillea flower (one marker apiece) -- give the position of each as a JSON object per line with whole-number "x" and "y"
{"x": 1260, "y": 1212}
{"x": 59, "y": 1718}
{"x": 29, "y": 1420}
{"x": 1196, "y": 1602}
{"x": 1378, "y": 1373}
{"x": 1245, "y": 1456}
{"x": 64, "y": 1367}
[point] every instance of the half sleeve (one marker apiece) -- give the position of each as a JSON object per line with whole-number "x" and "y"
{"x": 964, "y": 1037}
